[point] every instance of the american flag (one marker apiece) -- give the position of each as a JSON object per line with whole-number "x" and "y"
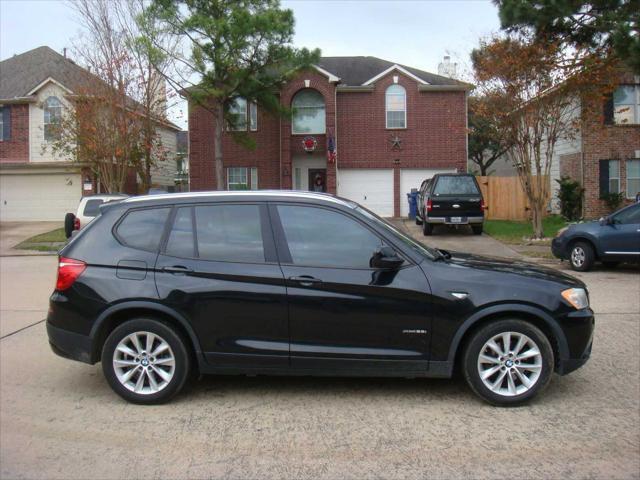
{"x": 332, "y": 151}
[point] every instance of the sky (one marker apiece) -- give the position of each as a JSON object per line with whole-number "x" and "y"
{"x": 415, "y": 33}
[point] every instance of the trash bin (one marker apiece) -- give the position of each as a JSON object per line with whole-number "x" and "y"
{"x": 413, "y": 202}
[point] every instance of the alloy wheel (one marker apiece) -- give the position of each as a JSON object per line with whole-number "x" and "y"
{"x": 144, "y": 363}
{"x": 578, "y": 256}
{"x": 510, "y": 364}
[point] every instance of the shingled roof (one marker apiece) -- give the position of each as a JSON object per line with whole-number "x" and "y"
{"x": 354, "y": 71}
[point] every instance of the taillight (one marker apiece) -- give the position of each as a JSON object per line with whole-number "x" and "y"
{"x": 483, "y": 207}
{"x": 68, "y": 272}
{"x": 76, "y": 224}
{"x": 429, "y": 205}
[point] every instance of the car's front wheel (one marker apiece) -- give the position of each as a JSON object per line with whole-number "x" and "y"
{"x": 581, "y": 256}
{"x": 508, "y": 362}
{"x": 145, "y": 361}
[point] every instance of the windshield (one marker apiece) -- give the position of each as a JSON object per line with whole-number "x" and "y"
{"x": 407, "y": 240}
{"x": 451, "y": 185}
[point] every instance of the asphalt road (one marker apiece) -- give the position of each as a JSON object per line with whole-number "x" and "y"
{"x": 59, "y": 419}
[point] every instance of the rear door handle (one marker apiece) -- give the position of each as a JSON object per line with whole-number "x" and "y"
{"x": 177, "y": 269}
{"x": 305, "y": 280}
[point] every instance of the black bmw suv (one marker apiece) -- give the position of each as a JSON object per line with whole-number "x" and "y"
{"x": 160, "y": 287}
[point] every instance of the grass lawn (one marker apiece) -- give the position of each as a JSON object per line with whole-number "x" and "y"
{"x": 45, "y": 242}
{"x": 508, "y": 231}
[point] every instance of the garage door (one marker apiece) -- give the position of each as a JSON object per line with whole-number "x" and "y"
{"x": 38, "y": 197}
{"x": 372, "y": 188}
{"x": 413, "y": 178}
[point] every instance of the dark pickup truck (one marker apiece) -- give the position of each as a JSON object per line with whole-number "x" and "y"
{"x": 451, "y": 199}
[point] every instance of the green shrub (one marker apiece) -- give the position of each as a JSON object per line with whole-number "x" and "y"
{"x": 570, "y": 196}
{"x": 613, "y": 200}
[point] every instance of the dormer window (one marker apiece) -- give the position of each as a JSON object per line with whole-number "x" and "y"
{"x": 52, "y": 117}
{"x": 396, "y": 106}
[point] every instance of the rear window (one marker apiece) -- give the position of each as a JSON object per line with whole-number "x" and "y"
{"x": 456, "y": 186}
{"x": 143, "y": 228}
{"x": 92, "y": 208}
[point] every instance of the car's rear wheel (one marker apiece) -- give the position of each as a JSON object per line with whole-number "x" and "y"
{"x": 508, "y": 362}
{"x": 145, "y": 361}
{"x": 477, "y": 229}
{"x": 427, "y": 228}
{"x": 69, "y": 220}
{"x": 581, "y": 256}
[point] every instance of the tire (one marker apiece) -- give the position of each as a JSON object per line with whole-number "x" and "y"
{"x": 69, "y": 220}
{"x": 418, "y": 221}
{"x": 477, "y": 230}
{"x": 427, "y": 228}
{"x": 581, "y": 256}
{"x": 610, "y": 264}
{"x": 167, "y": 384}
{"x": 508, "y": 392}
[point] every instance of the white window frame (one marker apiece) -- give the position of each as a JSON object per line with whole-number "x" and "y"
{"x": 233, "y": 180}
{"x": 635, "y": 107}
{"x": 631, "y": 194}
{"x": 241, "y": 110}
{"x": 254, "y": 179}
{"x": 324, "y": 107}
{"x": 253, "y": 116}
{"x": 387, "y": 110}
{"x": 48, "y": 111}
{"x": 617, "y": 179}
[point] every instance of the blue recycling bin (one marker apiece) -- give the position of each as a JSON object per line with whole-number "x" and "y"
{"x": 413, "y": 202}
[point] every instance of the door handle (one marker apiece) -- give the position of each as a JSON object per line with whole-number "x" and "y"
{"x": 177, "y": 269}
{"x": 305, "y": 280}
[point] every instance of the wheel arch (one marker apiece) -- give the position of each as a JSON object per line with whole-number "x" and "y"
{"x": 120, "y": 313}
{"x": 585, "y": 239}
{"x": 529, "y": 313}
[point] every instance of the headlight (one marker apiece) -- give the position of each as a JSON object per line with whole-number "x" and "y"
{"x": 577, "y": 297}
{"x": 561, "y": 231}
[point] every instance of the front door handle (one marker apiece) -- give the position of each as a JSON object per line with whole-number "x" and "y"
{"x": 305, "y": 280}
{"x": 177, "y": 269}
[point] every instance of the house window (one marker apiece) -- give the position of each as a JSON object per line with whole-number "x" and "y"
{"x": 52, "y": 117}
{"x": 254, "y": 178}
{"x": 237, "y": 179}
{"x": 396, "y": 106}
{"x": 633, "y": 177}
{"x": 253, "y": 117}
{"x": 308, "y": 112}
{"x": 1, "y": 124}
{"x": 238, "y": 114}
{"x": 626, "y": 105}
{"x": 614, "y": 176}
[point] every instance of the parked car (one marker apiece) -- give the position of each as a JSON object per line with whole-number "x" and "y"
{"x": 450, "y": 199}
{"x": 88, "y": 209}
{"x": 611, "y": 240}
{"x": 162, "y": 286}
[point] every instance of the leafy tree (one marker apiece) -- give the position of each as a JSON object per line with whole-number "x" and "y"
{"x": 487, "y": 140}
{"x": 599, "y": 25}
{"x": 238, "y": 49}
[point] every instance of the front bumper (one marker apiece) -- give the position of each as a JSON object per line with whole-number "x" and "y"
{"x": 69, "y": 344}
{"x": 578, "y": 328}
{"x": 558, "y": 248}
{"x": 444, "y": 220}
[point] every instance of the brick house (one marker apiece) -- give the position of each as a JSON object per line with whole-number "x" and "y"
{"x": 605, "y": 155}
{"x": 392, "y": 126}
{"x": 36, "y": 183}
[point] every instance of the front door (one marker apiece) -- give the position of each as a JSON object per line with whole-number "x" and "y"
{"x": 342, "y": 313}
{"x": 622, "y": 236}
{"x": 318, "y": 179}
{"x": 219, "y": 269}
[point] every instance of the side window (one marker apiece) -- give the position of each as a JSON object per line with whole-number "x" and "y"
{"x": 325, "y": 238}
{"x": 229, "y": 233}
{"x": 143, "y": 228}
{"x": 628, "y": 216}
{"x": 92, "y": 208}
{"x": 181, "y": 242}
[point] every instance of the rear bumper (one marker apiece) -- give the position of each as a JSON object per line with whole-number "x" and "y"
{"x": 443, "y": 220}
{"x": 69, "y": 344}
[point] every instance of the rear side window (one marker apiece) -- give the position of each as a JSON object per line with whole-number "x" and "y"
{"x": 92, "y": 208}
{"x": 463, "y": 185}
{"x": 143, "y": 228}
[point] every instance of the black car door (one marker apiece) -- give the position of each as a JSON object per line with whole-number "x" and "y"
{"x": 342, "y": 313}
{"x": 224, "y": 277}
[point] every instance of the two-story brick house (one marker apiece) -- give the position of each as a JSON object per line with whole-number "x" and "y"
{"x": 36, "y": 183}
{"x": 363, "y": 128}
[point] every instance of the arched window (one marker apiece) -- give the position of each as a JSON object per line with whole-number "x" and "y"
{"x": 396, "y": 106}
{"x": 52, "y": 117}
{"x": 308, "y": 112}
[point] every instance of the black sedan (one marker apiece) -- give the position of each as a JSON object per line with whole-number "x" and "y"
{"x": 291, "y": 283}
{"x": 611, "y": 240}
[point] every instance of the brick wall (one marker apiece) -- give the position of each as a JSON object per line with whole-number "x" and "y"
{"x": 571, "y": 166}
{"x": 16, "y": 148}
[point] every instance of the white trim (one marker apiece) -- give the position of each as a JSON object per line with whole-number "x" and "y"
{"x": 386, "y": 110}
{"x": 400, "y": 69}
{"x": 622, "y": 253}
{"x": 42, "y": 84}
{"x": 329, "y": 75}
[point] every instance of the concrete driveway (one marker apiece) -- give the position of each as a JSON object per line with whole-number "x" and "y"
{"x": 59, "y": 419}
{"x": 13, "y": 233}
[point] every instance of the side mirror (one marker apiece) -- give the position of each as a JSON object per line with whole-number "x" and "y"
{"x": 605, "y": 221}
{"x": 386, "y": 258}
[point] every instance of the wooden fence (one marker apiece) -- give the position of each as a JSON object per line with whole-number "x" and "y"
{"x": 504, "y": 198}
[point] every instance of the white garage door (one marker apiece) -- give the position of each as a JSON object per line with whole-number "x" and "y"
{"x": 38, "y": 197}
{"x": 413, "y": 178}
{"x": 371, "y": 187}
